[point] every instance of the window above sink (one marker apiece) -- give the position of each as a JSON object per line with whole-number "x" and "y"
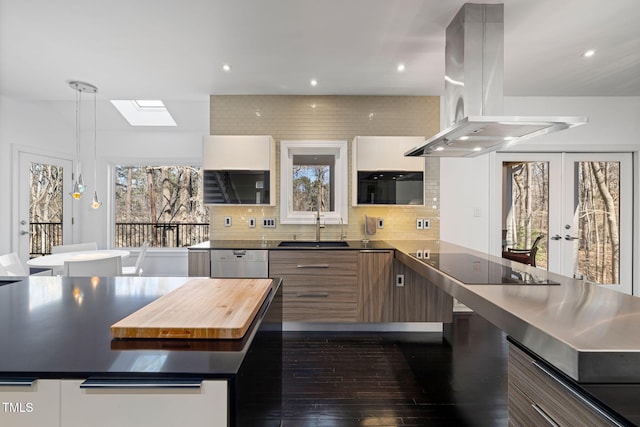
{"x": 313, "y": 173}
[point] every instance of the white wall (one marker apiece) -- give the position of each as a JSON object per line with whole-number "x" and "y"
{"x": 614, "y": 125}
{"x": 49, "y": 127}
{"x": 27, "y": 124}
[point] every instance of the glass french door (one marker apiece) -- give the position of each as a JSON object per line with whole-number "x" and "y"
{"x": 581, "y": 205}
{"x": 44, "y": 204}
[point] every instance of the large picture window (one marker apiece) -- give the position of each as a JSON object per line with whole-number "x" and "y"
{"x": 159, "y": 204}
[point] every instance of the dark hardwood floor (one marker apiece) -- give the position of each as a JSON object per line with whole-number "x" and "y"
{"x": 396, "y": 379}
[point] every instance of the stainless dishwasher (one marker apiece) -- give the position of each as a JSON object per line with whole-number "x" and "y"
{"x": 239, "y": 263}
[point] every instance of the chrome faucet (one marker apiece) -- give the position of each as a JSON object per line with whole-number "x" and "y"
{"x": 318, "y": 225}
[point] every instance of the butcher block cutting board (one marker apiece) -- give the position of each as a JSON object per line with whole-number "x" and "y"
{"x": 199, "y": 309}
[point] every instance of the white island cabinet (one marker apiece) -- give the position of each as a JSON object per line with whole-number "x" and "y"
{"x": 121, "y": 405}
{"x": 29, "y": 403}
{"x": 70, "y": 403}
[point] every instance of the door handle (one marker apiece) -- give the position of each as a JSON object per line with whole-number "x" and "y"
{"x": 23, "y": 232}
{"x": 569, "y": 237}
{"x": 556, "y": 237}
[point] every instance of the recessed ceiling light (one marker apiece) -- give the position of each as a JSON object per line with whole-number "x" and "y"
{"x": 463, "y": 138}
{"x": 477, "y": 149}
{"x": 400, "y": 68}
{"x": 313, "y": 82}
{"x": 439, "y": 148}
{"x": 226, "y": 67}
{"x": 589, "y": 53}
{"x": 144, "y": 112}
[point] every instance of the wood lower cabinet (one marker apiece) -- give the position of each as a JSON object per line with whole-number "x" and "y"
{"x": 418, "y": 300}
{"x": 199, "y": 263}
{"x": 318, "y": 286}
{"x": 125, "y": 406}
{"x": 539, "y": 396}
{"x": 26, "y": 403}
{"x": 375, "y": 280}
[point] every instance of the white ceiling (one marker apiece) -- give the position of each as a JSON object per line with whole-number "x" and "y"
{"x": 174, "y": 49}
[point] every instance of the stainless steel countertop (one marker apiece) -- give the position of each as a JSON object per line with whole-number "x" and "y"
{"x": 589, "y": 332}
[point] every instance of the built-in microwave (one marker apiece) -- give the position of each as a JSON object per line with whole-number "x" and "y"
{"x": 390, "y": 188}
{"x": 236, "y": 187}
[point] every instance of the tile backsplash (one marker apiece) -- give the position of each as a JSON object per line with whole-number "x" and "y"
{"x": 328, "y": 117}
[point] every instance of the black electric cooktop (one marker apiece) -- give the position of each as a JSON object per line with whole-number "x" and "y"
{"x": 473, "y": 270}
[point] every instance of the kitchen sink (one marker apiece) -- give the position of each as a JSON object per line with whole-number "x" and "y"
{"x": 313, "y": 244}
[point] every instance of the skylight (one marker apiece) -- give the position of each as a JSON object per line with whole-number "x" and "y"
{"x": 144, "y": 112}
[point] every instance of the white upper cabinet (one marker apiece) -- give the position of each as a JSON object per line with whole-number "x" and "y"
{"x": 371, "y": 153}
{"x": 238, "y": 152}
{"x": 239, "y": 169}
{"x": 382, "y": 175}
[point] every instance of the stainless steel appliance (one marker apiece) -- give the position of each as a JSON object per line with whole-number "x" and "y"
{"x": 239, "y": 263}
{"x": 473, "y": 84}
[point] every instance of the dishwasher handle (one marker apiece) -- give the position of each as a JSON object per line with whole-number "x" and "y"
{"x": 239, "y": 252}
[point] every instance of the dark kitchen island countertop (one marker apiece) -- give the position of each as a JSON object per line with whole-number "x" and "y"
{"x": 59, "y": 328}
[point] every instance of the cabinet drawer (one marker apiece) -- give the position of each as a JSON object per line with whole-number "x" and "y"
{"x": 313, "y": 263}
{"x": 305, "y": 288}
{"x": 523, "y": 412}
{"x": 318, "y": 309}
{"x": 320, "y": 299}
{"x": 318, "y": 286}
{"x": 30, "y": 404}
{"x": 552, "y": 394}
{"x": 125, "y": 406}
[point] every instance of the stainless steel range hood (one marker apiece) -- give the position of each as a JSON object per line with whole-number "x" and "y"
{"x": 473, "y": 101}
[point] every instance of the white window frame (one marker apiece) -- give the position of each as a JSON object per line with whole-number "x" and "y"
{"x": 338, "y": 149}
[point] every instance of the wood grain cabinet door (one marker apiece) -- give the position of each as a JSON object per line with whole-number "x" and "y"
{"x": 199, "y": 263}
{"x": 375, "y": 282}
{"x": 418, "y": 300}
{"x": 534, "y": 386}
{"x": 318, "y": 285}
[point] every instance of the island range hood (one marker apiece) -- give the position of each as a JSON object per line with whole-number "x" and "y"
{"x": 473, "y": 100}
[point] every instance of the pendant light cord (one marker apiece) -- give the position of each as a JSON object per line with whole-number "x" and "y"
{"x": 78, "y": 100}
{"x": 95, "y": 141}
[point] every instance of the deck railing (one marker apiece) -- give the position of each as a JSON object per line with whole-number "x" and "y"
{"x": 45, "y": 235}
{"x": 161, "y": 235}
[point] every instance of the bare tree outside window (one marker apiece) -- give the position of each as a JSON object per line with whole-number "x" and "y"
{"x": 45, "y": 208}
{"x": 312, "y": 183}
{"x": 598, "y": 214}
{"x": 159, "y": 204}
{"x": 529, "y": 210}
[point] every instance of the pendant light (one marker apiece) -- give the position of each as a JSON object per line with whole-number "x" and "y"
{"x": 95, "y": 203}
{"x": 79, "y": 87}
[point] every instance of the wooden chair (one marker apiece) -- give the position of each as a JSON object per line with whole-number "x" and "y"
{"x": 525, "y": 256}
{"x": 76, "y": 247}
{"x": 106, "y": 267}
